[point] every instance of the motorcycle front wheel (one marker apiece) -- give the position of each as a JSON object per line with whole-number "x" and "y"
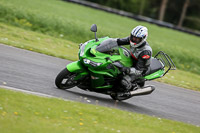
{"x": 65, "y": 79}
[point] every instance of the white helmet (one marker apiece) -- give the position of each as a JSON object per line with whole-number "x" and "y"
{"x": 138, "y": 36}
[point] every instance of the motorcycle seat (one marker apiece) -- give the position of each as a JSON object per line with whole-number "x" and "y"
{"x": 154, "y": 66}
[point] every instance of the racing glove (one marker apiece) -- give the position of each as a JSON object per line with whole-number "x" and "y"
{"x": 135, "y": 72}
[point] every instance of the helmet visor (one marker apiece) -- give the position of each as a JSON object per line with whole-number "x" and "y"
{"x": 135, "y": 39}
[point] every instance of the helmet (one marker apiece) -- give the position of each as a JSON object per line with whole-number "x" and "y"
{"x": 138, "y": 36}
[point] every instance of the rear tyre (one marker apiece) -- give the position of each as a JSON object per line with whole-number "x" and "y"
{"x": 119, "y": 98}
{"x": 65, "y": 79}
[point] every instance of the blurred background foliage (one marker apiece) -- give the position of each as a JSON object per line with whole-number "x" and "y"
{"x": 183, "y": 13}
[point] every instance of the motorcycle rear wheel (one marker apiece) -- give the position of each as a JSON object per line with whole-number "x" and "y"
{"x": 64, "y": 79}
{"x": 119, "y": 98}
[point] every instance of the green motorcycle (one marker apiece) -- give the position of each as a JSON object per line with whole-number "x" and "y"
{"x": 101, "y": 72}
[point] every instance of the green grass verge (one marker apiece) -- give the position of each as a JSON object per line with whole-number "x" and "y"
{"x": 20, "y": 113}
{"x": 38, "y": 42}
{"x": 63, "y": 48}
{"x": 182, "y": 79}
{"x": 55, "y": 17}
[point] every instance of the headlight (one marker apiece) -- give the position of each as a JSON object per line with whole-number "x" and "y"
{"x": 92, "y": 63}
{"x": 86, "y": 61}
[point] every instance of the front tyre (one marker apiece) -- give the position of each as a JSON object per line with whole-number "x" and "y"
{"x": 65, "y": 79}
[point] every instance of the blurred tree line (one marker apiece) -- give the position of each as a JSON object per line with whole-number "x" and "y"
{"x": 183, "y": 13}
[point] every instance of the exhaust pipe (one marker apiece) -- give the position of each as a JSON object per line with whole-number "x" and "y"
{"x": 144, "y": 91}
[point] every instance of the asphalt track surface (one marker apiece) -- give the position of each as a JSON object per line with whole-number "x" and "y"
{"x": 36, "y": 72}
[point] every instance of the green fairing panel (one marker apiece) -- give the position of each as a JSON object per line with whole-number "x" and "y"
{"x": 125, "y": 58}
{"x": 103, "y": 72}
{"x": 88, "y": 46}
{"x": 97, "y": 81}
{"x": 103, "y": 56}
{"x": 155, "y": 75}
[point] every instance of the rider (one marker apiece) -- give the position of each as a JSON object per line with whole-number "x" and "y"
{"x": 140, "y": 51}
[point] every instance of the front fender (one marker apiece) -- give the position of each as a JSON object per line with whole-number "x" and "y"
{"x": 75, "y": 67}
{"x": 78, "y": 68}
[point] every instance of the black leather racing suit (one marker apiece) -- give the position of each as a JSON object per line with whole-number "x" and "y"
{"x": 141, "y": 61}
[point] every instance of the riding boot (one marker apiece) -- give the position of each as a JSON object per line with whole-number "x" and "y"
{"x": 141, "y": 84}
{"x": 126, "y": 82}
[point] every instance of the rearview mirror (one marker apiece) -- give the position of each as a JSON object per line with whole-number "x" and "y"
{"x": 93, "y": 28}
